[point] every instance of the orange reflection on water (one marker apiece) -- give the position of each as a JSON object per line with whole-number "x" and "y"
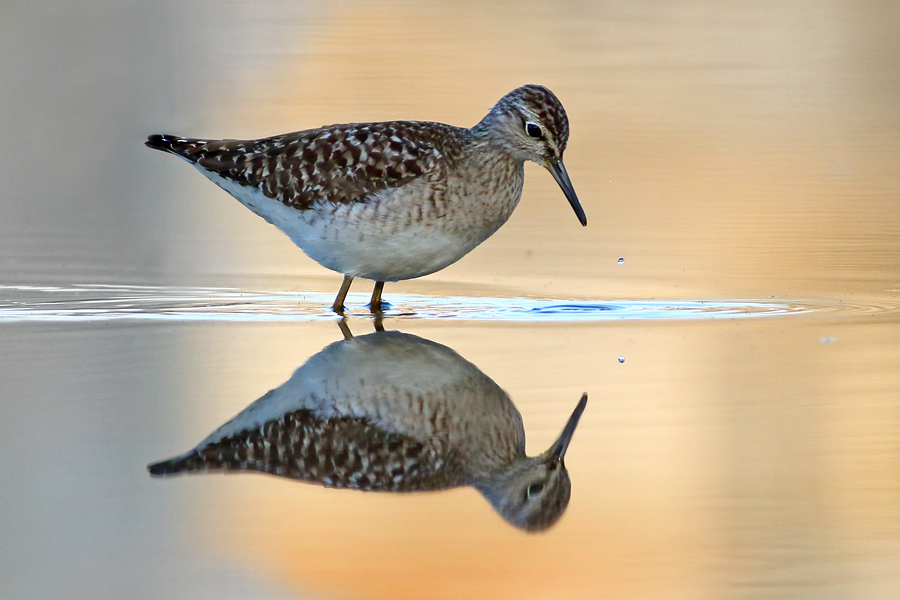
{"x": 699, "y": 469}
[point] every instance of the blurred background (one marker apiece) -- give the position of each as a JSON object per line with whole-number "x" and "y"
{"x": 723, "y": 149}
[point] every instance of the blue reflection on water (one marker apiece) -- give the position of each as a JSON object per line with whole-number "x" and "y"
{"x": 573, "y": 307}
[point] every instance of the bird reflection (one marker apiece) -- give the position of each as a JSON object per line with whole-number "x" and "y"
{"x": 393, "y": 412}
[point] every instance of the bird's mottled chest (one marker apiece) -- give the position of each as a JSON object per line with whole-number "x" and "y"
{"x": 471, "y": 198}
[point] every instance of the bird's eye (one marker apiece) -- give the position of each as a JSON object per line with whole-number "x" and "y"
{"x": 534, "y": 489}
{"x": 534, "y": 130}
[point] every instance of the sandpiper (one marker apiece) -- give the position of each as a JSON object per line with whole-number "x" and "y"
{"x": 393, "y": 412}
{"x": 393, "y": 200}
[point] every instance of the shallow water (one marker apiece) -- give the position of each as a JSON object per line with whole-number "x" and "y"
{"x": 84, "y": 303}
{"x": 742, "y": 433}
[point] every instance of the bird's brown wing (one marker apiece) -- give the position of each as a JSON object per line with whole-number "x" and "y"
{"x": 338, "y": 163}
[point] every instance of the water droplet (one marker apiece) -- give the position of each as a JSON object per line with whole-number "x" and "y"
{"x": 621, "y": 358}
{"x": 827, "y": 339}
{"x": 621, "y": 261}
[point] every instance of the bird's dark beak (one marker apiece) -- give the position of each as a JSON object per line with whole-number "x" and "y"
{"x": 558, "y": 170}
{"x": 558, "y": 450}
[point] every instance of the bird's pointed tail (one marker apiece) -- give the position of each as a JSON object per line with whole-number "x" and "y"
{"x": 190, "y": 461}
{"x": 188, "y": 148}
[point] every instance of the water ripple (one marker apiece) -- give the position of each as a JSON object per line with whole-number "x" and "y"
{"x": 94, "y": 302}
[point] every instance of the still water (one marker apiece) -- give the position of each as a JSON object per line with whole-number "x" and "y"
{"x": 731, "y": 310}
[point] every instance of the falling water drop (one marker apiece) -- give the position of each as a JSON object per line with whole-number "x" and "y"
{"x": 621, "y": 261}
{"x": 621, "y": 358}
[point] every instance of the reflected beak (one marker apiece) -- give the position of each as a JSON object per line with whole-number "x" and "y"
{"x": 558, "y": 450}
{"x": 558, "y": 170}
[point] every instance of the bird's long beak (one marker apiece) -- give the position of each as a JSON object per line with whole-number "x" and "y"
{"x": 558, "y": 170}
{"x": 558, "y": 450}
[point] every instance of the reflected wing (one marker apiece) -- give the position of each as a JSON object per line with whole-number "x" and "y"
{"x": 338, "y": 453}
